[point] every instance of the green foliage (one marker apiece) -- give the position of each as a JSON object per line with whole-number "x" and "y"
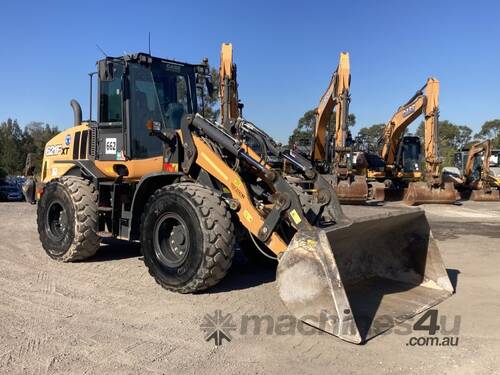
{"x": 491, "y": 130}
{"x": 15, "y": 144}
{"x": 303, "y": 132}
{"x": 369, "y": 136}
{"x": 211, "y": 102}
{"x": 35, "y": 136}
{"x": 11, "y": 138}
{"x": 451, "y": 138}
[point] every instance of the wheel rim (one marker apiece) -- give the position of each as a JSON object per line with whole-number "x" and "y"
{"x": 57, "y": 221}
{"x": 171, "y": 240}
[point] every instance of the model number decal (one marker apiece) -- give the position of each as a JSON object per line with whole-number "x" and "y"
{"x": 53, "y": 150}
{"x": 110, "y": 146}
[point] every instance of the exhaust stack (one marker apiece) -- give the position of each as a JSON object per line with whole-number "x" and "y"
{"x": 77, "y": 112}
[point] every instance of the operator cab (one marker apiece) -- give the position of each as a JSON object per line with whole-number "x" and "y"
{"x": 136, "y": 89}
{"x": 409, "y": 151}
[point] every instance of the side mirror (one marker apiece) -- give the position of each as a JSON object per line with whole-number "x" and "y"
{"x": 106, "y": 70}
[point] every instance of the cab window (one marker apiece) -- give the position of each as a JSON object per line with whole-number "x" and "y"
{"x": 110, "y": 98}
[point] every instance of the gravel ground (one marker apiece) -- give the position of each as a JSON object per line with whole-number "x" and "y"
{"x": 106, "y": 315}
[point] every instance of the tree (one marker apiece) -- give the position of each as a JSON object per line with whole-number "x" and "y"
{"x": 370, "y": 136}
{"x": 11, "y": 146}
{"x": 211, "y": 108}
{"x": 303, "y": 132}
{"x": 15, "y": 144}
{"x": 491, "y": 130}
{"x": 35, "y": 136}
{"x": 451, "y": 138}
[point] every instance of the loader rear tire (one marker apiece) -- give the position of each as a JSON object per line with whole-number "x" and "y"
{"x": 67, "y": 219}
{"x": 187, "y": 237}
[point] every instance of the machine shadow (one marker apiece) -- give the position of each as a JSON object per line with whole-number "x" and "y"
{"x": 245, "y": 275}
{"x": 114, "y": 249}
{"x": 453, "y": 276}
{"x": 242, "y": 274}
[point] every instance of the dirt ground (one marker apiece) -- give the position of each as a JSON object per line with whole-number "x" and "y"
{"x": 106, "y": 315}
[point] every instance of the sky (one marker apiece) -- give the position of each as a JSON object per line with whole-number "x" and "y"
{"x": 286, "y": 52}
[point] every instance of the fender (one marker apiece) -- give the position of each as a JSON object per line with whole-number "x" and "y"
{"x": 144, "y": 189}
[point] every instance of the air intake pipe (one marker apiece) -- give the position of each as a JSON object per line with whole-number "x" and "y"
{"x": 77, "y": 112}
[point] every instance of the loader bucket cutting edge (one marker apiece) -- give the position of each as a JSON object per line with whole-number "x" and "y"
{"x": 360, "y": 280}
{"x": 420, "y": 193}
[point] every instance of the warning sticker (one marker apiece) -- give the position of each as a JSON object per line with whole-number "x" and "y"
{"x": 295, "y": 217}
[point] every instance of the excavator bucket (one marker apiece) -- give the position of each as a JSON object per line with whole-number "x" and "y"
{"x": 485, "y": 195}
{"x": 359, "y": 280}
{"x": 421, "y": 193}
{"x": 377, "y": 191}
{"x": 352, "y": 192}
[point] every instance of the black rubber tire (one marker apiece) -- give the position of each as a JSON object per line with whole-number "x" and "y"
{"x": 78, "y": 198}
{"x": 211, "y": 237}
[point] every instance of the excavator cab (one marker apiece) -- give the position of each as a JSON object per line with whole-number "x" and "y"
{"x": 409, "y": 158}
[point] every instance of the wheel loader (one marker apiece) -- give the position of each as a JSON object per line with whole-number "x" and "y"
{"x": 152, "y": 169}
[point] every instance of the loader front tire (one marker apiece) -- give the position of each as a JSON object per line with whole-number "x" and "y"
{"x": 67, "y": 219}
{"x": 187, "y": 237}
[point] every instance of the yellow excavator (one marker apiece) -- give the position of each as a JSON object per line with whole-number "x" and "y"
{"x": 331, "y": 154}
{"x": 152, "y": 169}
{"x": 401, "y": 154}
{"x": 474, "y": 178}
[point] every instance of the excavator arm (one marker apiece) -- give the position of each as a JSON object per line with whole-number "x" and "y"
{"x": 476, "y": 149}
{"x": 396, "y": 126}
{"x": 228, "y": 87}
{"x": 336, "y": 97}
{"x": 482, "y": 186}
{"x": 425, "y": 101}
{"x": 431, "y": 134}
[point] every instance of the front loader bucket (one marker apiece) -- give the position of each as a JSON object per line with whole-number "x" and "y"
{"x": 420, "y": 193}
{"x": 352, "y": 192}
{"x": 360, "y": 280}
{"x": 485, "y": 195}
